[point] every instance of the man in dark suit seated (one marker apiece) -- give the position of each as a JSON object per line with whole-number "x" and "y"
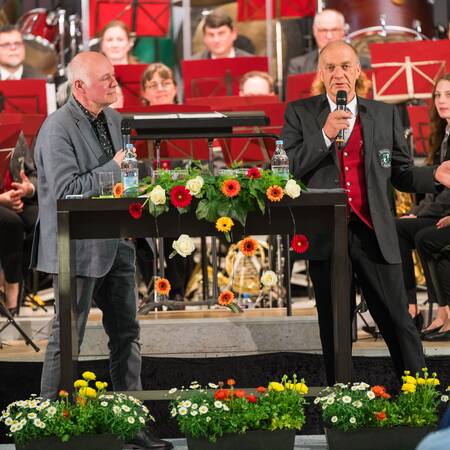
{"x": 12, "y": 56}
{"x": 328, "y": 26}
{"x": 373, "y": 154}
{"x": 219, "y": 35}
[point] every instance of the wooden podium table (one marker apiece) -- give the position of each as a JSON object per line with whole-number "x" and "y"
{"x": 320, "y": 215}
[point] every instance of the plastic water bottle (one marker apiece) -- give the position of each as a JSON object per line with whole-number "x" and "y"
{"x": 130, "y": 174}
{"x": 280, "y": 161}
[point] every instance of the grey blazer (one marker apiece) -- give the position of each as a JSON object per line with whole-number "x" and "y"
{"x": 206, "y": 54}
{"x": 68, "y": 156}
{"x": 386, "y": 159}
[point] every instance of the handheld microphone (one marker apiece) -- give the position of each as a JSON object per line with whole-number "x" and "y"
{"x": 126, "y": 133}
{"x": 341, "y": 103}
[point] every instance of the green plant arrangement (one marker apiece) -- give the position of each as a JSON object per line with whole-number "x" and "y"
{"x": 93, "y": 411}
{"x": 219, "y": 411}
{"x": 357, "y": 408}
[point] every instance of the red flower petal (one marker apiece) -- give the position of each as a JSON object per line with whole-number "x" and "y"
{"x": 253, "y": 172}
{"x": 135, "y": 210}
{"x": 180, "y": 197}
{"x": 299, "y": 243}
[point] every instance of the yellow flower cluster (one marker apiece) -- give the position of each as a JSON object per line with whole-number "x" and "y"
{"x": 301, "y": 387}
{"x": 410, "y": 383}
{"x": 82, "y": 385}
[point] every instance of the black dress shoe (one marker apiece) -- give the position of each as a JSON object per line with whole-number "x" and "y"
{"x": 430, "y": 331}
{"x": 144, "y": 440}
{"x": 438, "y": 336}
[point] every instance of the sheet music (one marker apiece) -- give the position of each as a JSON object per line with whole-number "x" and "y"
{"x": 156, "y": 116}
{"x": 205, "y": 115}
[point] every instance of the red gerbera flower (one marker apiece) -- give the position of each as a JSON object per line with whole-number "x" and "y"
{"x": 248, "y": 246}
{"x": 135, "y": 210}
{"x": 180, "y": 197}
{"x": 299, "y": 243}
{"x": 230, "y": 188}
{"x": 253, "y": 172}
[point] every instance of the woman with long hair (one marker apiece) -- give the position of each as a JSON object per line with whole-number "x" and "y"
{"x": 116, "y": 43}
{"x": 426, "y": 229}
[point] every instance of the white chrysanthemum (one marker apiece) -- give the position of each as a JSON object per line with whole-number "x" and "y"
{"x": 31, "y": 415}
{"x": 370, "y": 395}
{"x": 203, "y": 409}
{"x": 194, "y": 406}
{"x": 182, "y": 411}
{"x": 218, "y": 404}
{"x": 330, "y": 401}
{"x": 126, "y": 408}
{"x": 187, "y": 403}
{"x": 358, "y": 404}
{"x": 194, "y": 412}
{"x": 13, "y": 428}
{"x": 116, "y": 409}
{"x": 131, "y": 419}
{"x": 334, "y": 419}
{"x": 8, "y": 421}
{"x": 346, "y": 399}
{"x": 352, "y": 420}
{"x": 213, "y": 386}
{"x": 45, "y": 404}
{"x": 173, "y": 390}
{"x": 316, "y": 400}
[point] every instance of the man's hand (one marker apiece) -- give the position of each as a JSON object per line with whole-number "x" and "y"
{"x": 336, "y": 121}
{"x": 444, "y": 222}
{"x": 442, "y": 174}
{"x": 11, "y": 199}
{"x": 119, "y": 156}
{"x": 24, "y": 188}
{"x": 409, "y": 216}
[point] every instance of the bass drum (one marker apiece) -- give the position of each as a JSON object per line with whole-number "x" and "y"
{"x": 39, "y": 29}
{"x": 405, "y": 20}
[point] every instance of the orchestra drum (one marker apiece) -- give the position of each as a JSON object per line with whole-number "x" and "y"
{"x": 385, "y": 21}
{"x": 39, "y": 29}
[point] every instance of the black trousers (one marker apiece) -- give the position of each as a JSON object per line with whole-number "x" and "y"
{"x": 383, "y": 289}
{"x": 14, "y": 228}
{"x": 410, "y": 233}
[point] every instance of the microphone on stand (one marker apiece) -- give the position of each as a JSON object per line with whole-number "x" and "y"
{"x": 341, "y": 103}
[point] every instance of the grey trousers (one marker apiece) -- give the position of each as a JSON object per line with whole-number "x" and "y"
{"x": 115, "y": 295}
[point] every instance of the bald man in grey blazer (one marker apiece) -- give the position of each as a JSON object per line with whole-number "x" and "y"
{"x": 74, "y": 144}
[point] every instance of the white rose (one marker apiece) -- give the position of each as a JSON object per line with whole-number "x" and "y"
{"x": 158, "y": 195}
{"x": 184, "y": 246}
{"x": 194, "y": 185}
{"x": 269, "y": 278}
{"x": 292, "y": 189}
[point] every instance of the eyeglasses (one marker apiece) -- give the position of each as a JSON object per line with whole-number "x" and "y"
{"x": 346, "y": 67}
{"x": 163, "y": 85}
{"x": 11, "y": 44}
{"x": 330, "y": 30}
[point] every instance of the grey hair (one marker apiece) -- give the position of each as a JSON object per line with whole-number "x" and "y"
{"x": 77, "y": 70}
{"x": 325, "y": 12}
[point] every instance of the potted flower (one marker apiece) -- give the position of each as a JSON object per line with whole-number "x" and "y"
{"x": 94, "y": 419}
{"x": 358, "y": 416}
{"x": 226, "y": 418}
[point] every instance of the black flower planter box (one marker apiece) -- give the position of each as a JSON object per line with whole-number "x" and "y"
{"x": 86, "y": 442}
{"x": 396, "y": 438}
{"x": 251, "y": 440}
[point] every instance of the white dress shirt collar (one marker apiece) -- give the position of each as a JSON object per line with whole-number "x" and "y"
{"x": 6, "y": 74}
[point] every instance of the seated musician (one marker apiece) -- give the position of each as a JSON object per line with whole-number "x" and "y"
{"x": 256, "y": 83}
{"x": 18, "y": 214}
{"x": 219, "y": 36}
{"x": 116, "y": 43}
{"x": 12, "y": 56}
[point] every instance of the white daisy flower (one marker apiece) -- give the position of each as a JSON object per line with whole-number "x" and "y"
{"x": 116, "y": 409}
{"x": 370, "y": 395}
{"x": 334, "y": 419}
{"x": 131, "y": 419}
{"x": 187, "y": 403}
{"x": 357, "y": 404}
{"x": 194, "y": 412}
{"x": 203, "y": 409}
{"x": 225, "y": 408}
{"x": 316, "y": 400}
{"x": 444, "y": 398}
{"x": 126, "y": 408}
{"x": 104, "y": 403}
{"x": 208, "y": 419}
{"x": 8, "y": 421}
{"x": 31, "y": 415}
{"x": 330, "y": 401}
{"x": 352, "y": 420}
{"x": 218, "y": 404}
{"x": 346, "y": 399}
{"x": 194, "y": 406}
{"x": 182, "y": 411}
{"x": 173, "y": 412}
{"x": 173, "y": 390}
{"x": 213, "y": 386}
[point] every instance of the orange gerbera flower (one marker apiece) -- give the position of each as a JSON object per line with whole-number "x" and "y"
{"x": 225, "y": 298}
{"x": 230, "y": 188}
{"x": 379, "y": 391}
{"x": 231, "y": 382}
{"x": 118, "y": 190}
{"x": 380, "y": 415}
{"x": 274, "y": 193}
{"x": 248, "y": 246}
{"x": 162, "y": 286}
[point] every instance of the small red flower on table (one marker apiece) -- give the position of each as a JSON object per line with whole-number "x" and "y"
{"x": 248, "y": 246}
{"x": 135, "y": 210}
{"x": 253, "y": 172}
{"x": 230, "y": 188}
{"x": 180, "y": 197}
{"x": 299, "y": 243}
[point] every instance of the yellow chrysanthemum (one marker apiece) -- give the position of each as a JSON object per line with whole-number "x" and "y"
{"x": 100, "y": 385}
{"x": 275, "y": 386}
{"x": 80, "y": 384}
{"x": 420, "y": 380}
{"x": 224, "y": 224}
{"x": 87, "y": 392}
{"x": 301, "y": 388}
{"x": 409, "y": 388}
{"x": 409, "y": 380}
{"x": 88, "y": 375}
{"x": 433, "y": 382}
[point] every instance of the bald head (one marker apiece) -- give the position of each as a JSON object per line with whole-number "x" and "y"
{"x": 91, "y": 77}
{"x": 328, "y": 26}
{"x": 337, "y": 46}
